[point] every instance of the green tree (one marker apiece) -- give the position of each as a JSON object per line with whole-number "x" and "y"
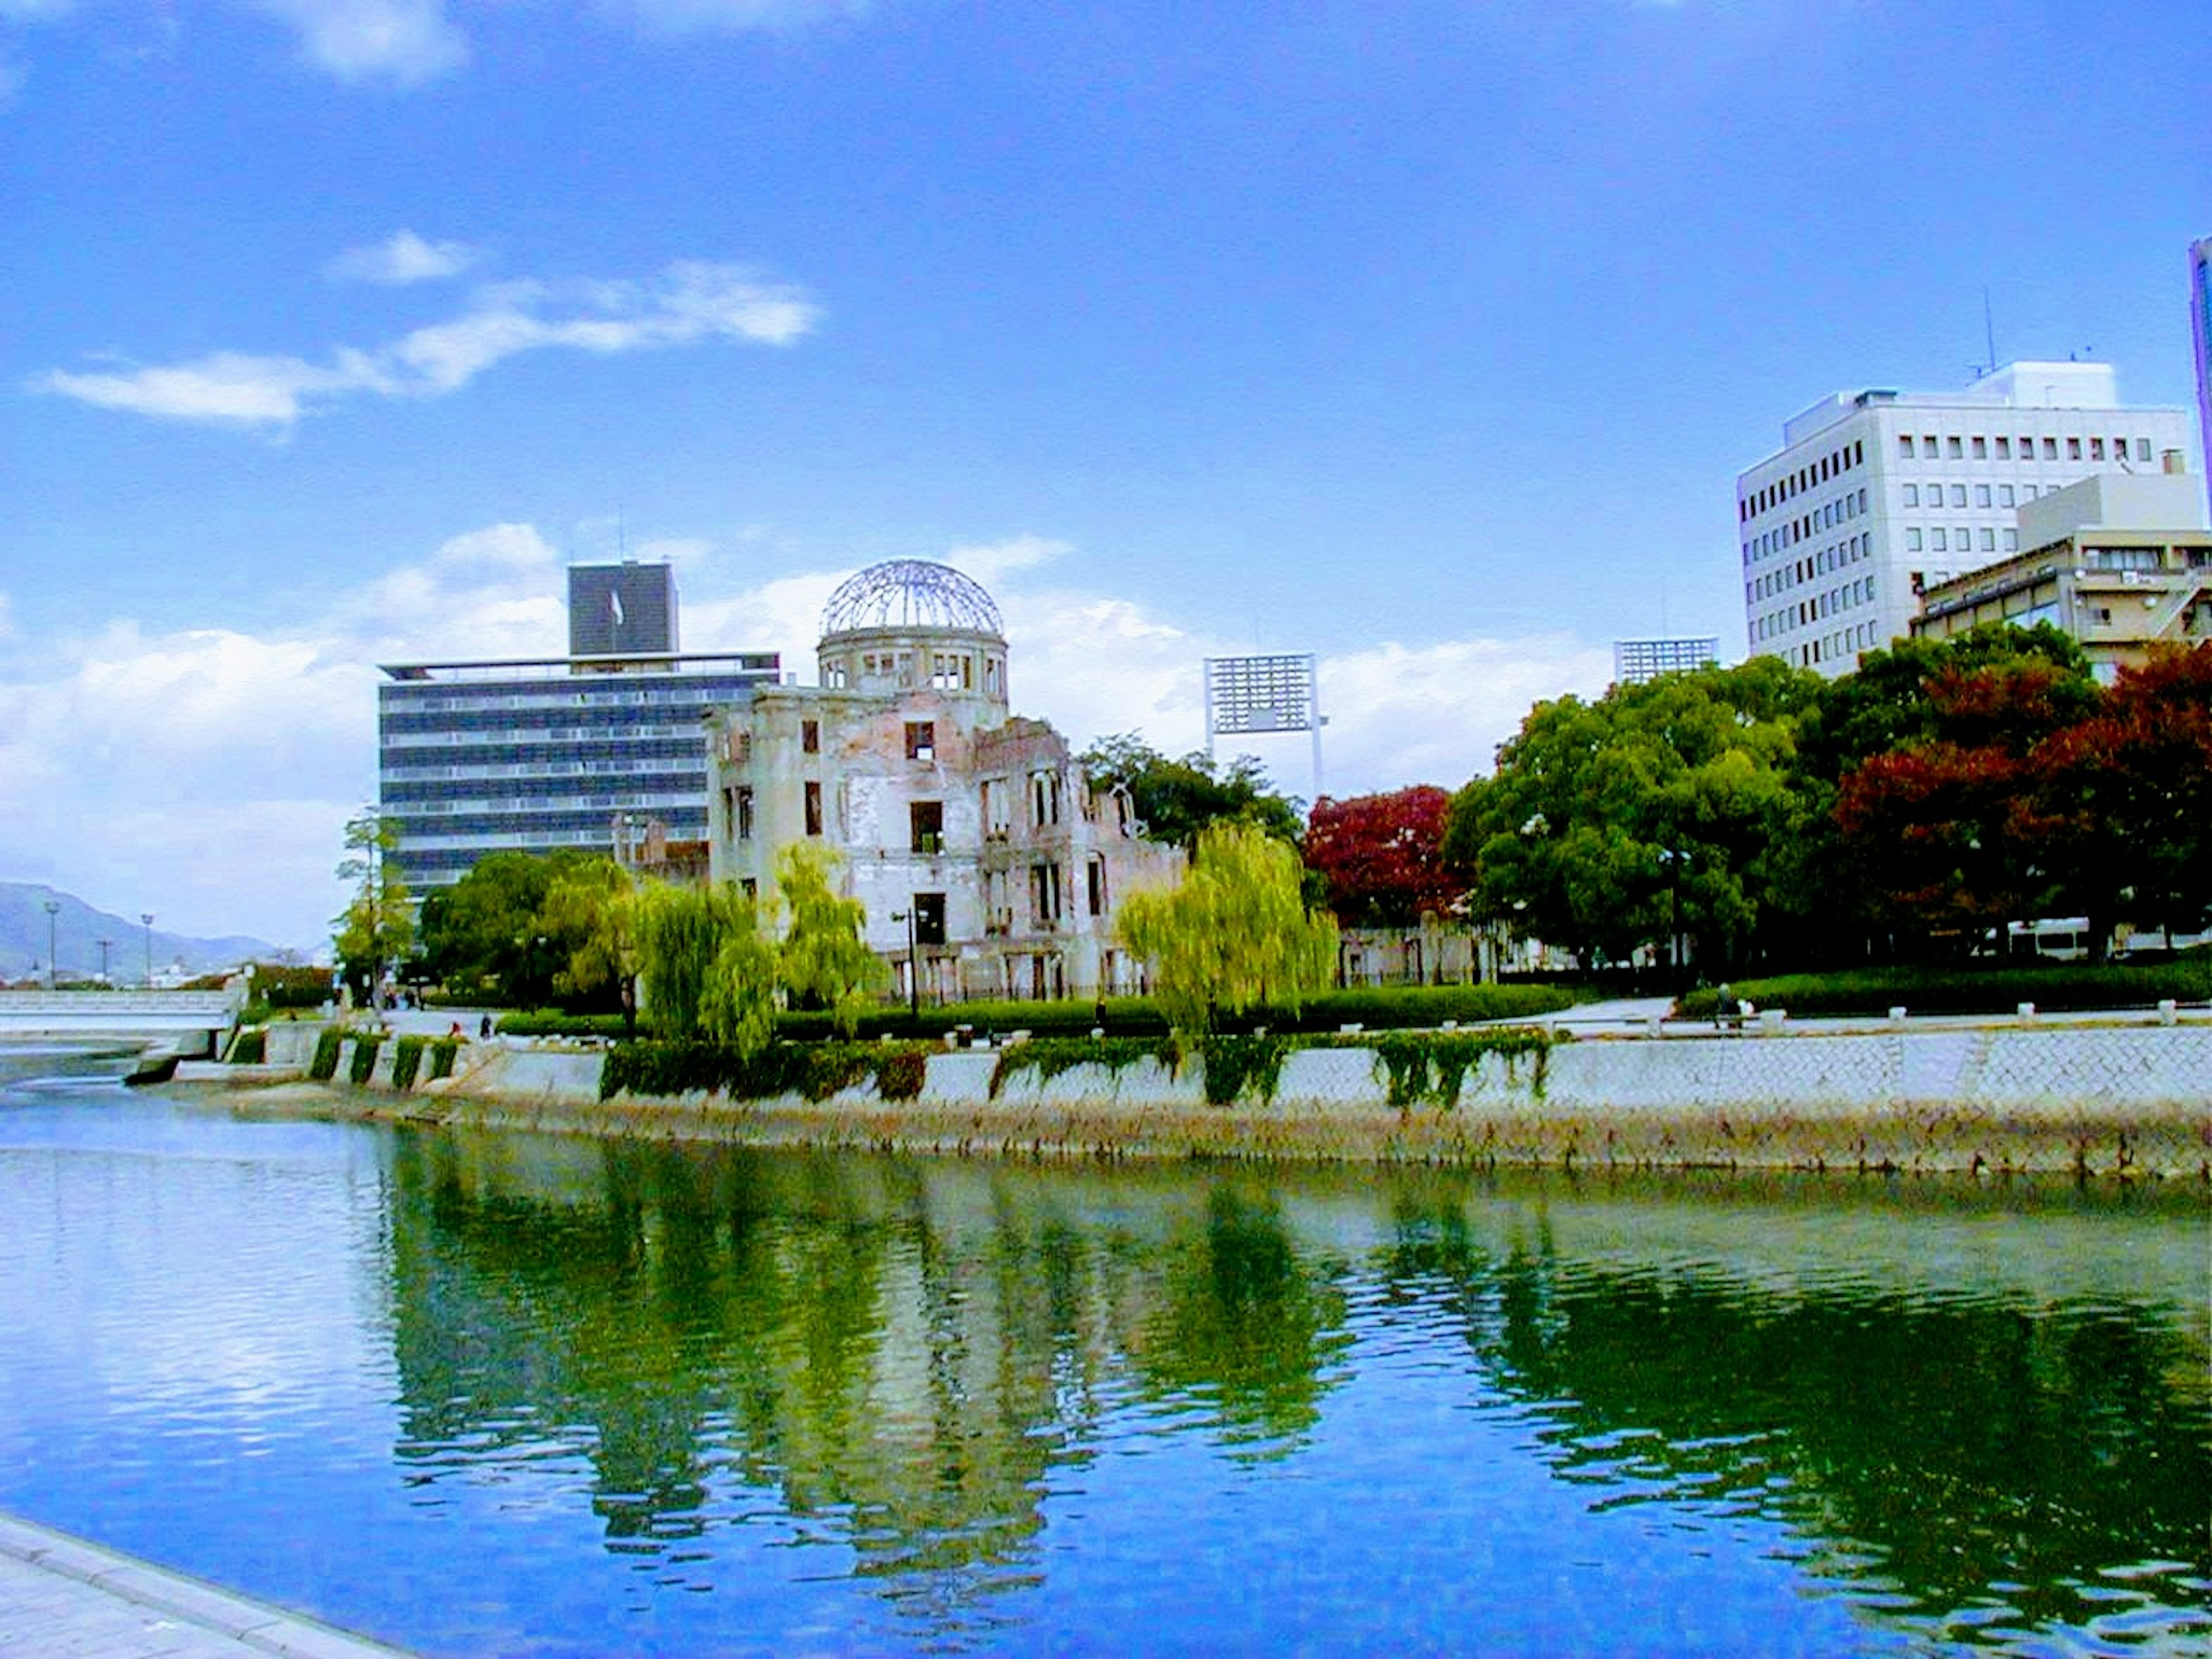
{"x": 375, "y": 930}
{"x": 1235, "y": 932}
{"x": 486, "y": 936}
{"x": 823, "y": 962}
{"x": 681, "y": 933}
{"x": 738, "y": 1007}
{"x": 1655, "y": 810}
{"x": 592, "y": 916}
{"x": 1174, "y": 799}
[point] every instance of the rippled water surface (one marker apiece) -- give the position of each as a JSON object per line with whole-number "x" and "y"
{"x": 514, "y": 1396}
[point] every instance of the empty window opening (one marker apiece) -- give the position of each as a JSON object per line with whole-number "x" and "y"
{"x": 921, "y": 740}
{"x": 926, "y": 821}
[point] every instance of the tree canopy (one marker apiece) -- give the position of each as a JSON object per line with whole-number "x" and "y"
{"x": 377, "y": 926}
{"x": 1380, "y": 857}
{"x": 823, "y": 962}
{"x": 1909, "y": 809}
{"x": 1175, "y": 799}
{"x": 1235, "y": 932}
{"x": 1612, "y": 824}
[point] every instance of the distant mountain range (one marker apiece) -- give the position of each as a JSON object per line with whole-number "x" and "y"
{"x": 78, "y": 928}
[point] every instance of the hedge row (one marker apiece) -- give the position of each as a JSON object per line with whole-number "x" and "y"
{"x": 2060, "y": 986}
{"x": 816, "y": 1070}
{"x": 1417, "y": 1067}
{"x": 1375, "y": 1008}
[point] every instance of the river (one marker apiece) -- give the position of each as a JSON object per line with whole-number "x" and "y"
{"x": 502, "y": 1393}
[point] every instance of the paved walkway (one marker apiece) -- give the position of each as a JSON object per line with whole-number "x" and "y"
{"x": 64, "y": 1598}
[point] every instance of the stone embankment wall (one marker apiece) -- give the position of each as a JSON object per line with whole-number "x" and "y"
{"x": 2112, "y": 1100}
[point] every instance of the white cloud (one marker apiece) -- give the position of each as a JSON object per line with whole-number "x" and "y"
{"x": 692, "y": 303}
{"x": 405, "y": 42}
{"x": 988, "y": 561}
{"x": 205, "y": 773}
{"x": 405, "y": 258}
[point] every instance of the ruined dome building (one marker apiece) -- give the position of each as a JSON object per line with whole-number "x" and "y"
{"x": 968, "y": 832}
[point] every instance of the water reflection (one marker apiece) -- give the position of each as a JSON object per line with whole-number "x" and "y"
{"x": 1978, "y": 1416}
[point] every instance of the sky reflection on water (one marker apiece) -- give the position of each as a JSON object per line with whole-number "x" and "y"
{"x": 523, "y": 1395}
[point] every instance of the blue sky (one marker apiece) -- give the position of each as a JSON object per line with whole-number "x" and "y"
{"x": 1427, "y": 337}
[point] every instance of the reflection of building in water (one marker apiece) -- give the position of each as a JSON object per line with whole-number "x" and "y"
{"x": 969, "y": 833}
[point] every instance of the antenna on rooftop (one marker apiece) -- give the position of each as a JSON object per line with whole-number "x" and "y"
{"x": 1989, "y": 329}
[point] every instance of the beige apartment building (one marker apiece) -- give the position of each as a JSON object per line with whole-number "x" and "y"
{"x": 2120, "y": 562}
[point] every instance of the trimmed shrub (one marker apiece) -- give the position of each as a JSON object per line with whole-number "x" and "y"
{"x": 249, "y": 1047}
{"x": 1377, "y": 1008}
{"x": 441, "y": 1056}
{"x": 364, "y": 1058}
{"x": 816, "y": 1071}
{"x": 406, "y": 1060}
{"x": 1965, "y": 990}
{"x": 324, "y": 1065}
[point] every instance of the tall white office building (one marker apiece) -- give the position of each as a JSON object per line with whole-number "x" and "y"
{"x": 1875, "y": 494}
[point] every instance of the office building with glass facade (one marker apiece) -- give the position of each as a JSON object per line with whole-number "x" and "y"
{"x": 589, "y": 753}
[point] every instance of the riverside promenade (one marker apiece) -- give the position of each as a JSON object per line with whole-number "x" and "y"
{"x": 60, "y": 1595}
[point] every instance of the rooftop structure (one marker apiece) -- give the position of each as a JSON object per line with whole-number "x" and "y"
{"x": 1877, "y": 494}
{"x": 621, "y": 609}
{"x": 1635, "y": 661}
{"x": 986, "y": 864}
{"x": 2118, "y": 563}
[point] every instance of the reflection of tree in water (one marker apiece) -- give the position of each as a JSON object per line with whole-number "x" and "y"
{"x": 1985, "y": 1452}
{"x": 1244, "y": 1324}
{"x": 904, "y": 1352}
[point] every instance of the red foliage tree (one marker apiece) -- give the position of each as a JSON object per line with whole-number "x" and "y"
{"x": 2118, "y": 806}
{"x": 1381, "y": 856}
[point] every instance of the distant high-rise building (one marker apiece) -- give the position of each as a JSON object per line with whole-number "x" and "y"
{"x": 1635, "y": 661}
{"x": 601, "y": 750}
{"x": 1875, "y": 496}
{"x": 2200, "y": 329}
{"x": 616, "y": 608}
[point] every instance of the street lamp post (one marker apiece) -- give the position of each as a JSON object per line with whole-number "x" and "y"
{"x": 912, "y": 961}
{"x": 53, "y": 910}
{"x": 146, "y": 917}
{"x": 1674, "y": 860}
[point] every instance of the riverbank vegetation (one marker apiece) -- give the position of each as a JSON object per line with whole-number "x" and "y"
{"x": 1373, "y": 1008}
{"x": 1760, "y": 817}
{"x": 1415, "y": 1068}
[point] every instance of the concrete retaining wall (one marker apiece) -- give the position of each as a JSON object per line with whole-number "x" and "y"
{"x": 2127, "y": 1099}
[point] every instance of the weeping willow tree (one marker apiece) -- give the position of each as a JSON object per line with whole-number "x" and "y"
{"x": 681, "y": 934}
{"x": 738, "y": 1005}
{"x": 1234, "y": 933}
{"x": 823, "y": 962}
